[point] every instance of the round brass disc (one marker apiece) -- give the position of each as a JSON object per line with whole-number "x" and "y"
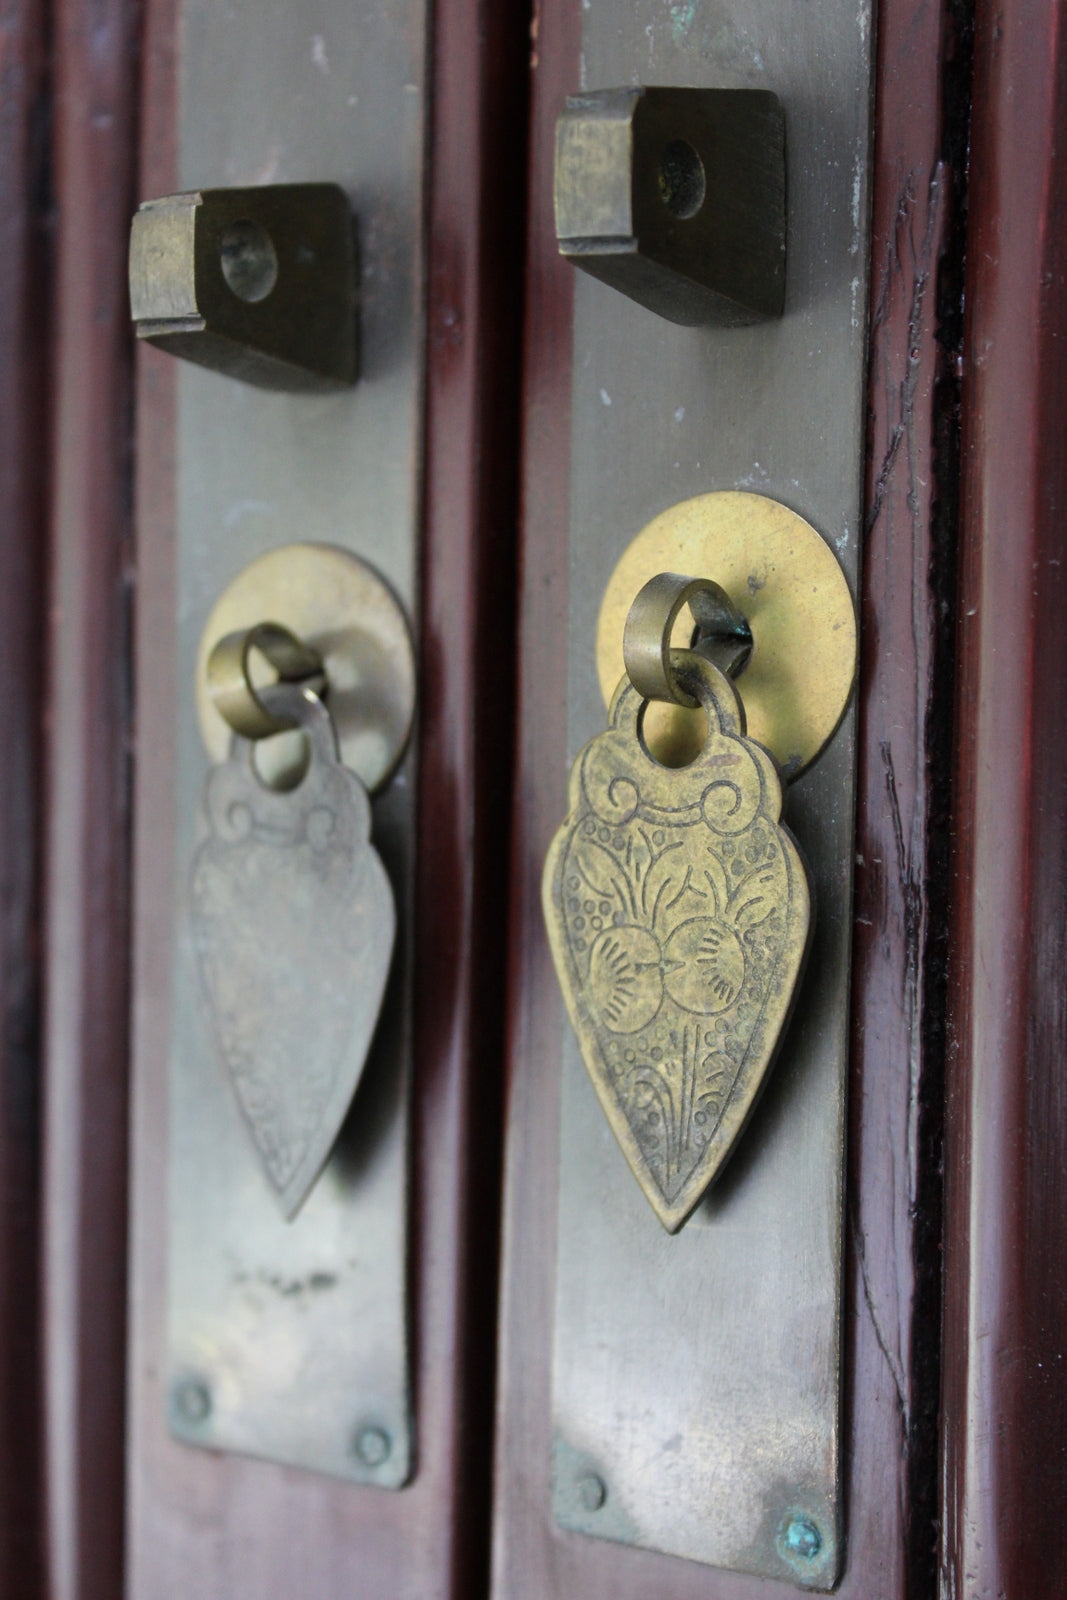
{"x": 785, "y": 579}
{"x": 336, "y": 603}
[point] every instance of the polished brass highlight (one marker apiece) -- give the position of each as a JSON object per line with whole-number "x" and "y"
{"x": 676, "y": 197}
{"x": 229, "y": 680}
{"x": 348, "y": 618}
{"x": 786, "y": 581}
{"x": 678, "y": 914}
{"x": 293, "y": 922}
{"x": 720, "y": 631}
{"x": 261, "y": 284}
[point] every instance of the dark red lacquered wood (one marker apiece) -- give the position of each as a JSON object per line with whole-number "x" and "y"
{"x": 214, "y": 1515}
{"x": 905, "y": 700}
{"x": 889, "y": 1442}
{"x": 524, "y": 1556}
{"x": 87, "y": 862}
{"x": 1005, "y": 1378}
{"x": 475, "y": 294}
{"x": 24, "y": 454}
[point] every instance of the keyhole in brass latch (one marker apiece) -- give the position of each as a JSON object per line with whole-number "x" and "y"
{"x": 682, "y": 184}
{"x": 249, "y": 260}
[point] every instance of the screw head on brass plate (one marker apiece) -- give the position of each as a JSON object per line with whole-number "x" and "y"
{"x": 344, "y": 610}
{"x": 676, "y": 197}
{"x": 257, "y": 283}
{"x": 785, "y": 579}
{"x": 191, "y": 1401}
{"x": 592, "y": 1491}
{"x": 373, "y": 1446}
{"x": 807, "y": 1547}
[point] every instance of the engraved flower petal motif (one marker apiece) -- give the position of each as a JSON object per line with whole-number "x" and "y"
{"x": 678, "y": 928}
{"x": 704, "y": 966}
{"x": 624, "y": 975}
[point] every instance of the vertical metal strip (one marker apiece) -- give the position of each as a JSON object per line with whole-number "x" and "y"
{"x": 290, "y": 1341}
{"x": 697, "y": 1378}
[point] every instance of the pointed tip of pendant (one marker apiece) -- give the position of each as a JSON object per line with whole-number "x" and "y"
{"x": 291, "y": 1201}
{"x": 672, "y": 1218}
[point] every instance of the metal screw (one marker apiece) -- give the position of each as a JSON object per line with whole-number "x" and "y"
{"x": 373, "y": 1446}
{"x": 192, "y": 1400}
{"x": 592, "y": 1491}
{"x": 801, "y": 1539}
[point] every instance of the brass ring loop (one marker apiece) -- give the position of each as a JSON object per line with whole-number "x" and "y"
{"x": 229, "y": 681}
{"x": 646, "y": 643}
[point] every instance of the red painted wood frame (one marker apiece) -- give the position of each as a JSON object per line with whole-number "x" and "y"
{"x": 25, "y": 257}
{"x": 893, "y": 1190}
{"x": 1005, "y": 1361}
{"x": 90, "y": 159}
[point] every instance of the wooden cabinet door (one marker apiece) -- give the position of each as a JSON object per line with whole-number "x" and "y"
{"x": 954, "y": 1436}
{"x": 98, "y": 1499}
{"x": 953, "y": 1424}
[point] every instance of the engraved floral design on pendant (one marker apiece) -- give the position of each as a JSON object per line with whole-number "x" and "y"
{"x": 678, "y": 910}
{"x": 626, "y": 964}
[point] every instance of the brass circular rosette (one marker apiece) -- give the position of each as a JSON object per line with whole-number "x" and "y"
{"x": 785, "y": 581}
{"x": 300, "y": 612}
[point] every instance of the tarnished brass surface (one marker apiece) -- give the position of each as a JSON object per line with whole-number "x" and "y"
{"x": 720, "y": 631}
{"x": 678, "y": 914}
{"x": 293, "y": 922}
{"x": 786, "y": 581}
{"x": 339, "y": 607}
{"x": 229, "y": 683}
{"x": 298, "y": 1334}
{"x": 676, "y": 197}
{"x": 259, "y": 283}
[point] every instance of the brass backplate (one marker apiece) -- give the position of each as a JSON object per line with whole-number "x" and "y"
{"x": 696, "y": 1393}
{"x": 786, "y": 581}
{"x": 289, "y": 1341}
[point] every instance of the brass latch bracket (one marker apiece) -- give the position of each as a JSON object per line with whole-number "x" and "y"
{"x": 259, "y": 283}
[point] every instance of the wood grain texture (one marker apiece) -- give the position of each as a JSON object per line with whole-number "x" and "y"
{"x": 247, "y": 1526}
{"x": 476, "y": 246}
{"x": 901, "y": 885}
{"x": 87, "y": 861}
{"x": 25, "y": 257}
{"x": 1005, "y": 1376}
{"x": 889, "y": 1446}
